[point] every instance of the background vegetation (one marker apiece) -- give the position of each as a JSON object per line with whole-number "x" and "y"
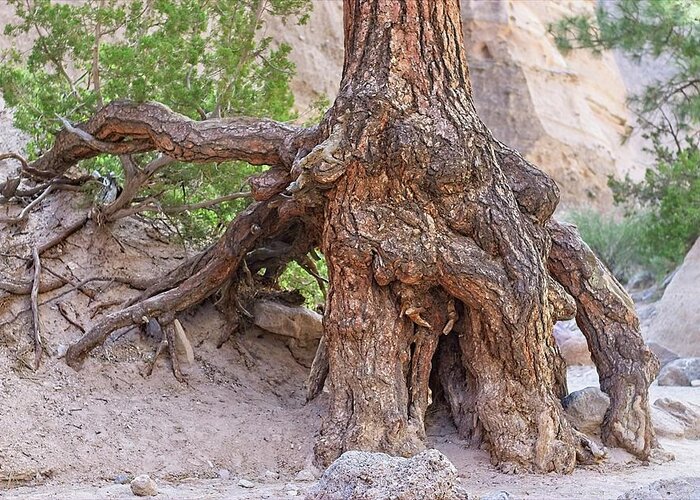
{"x": 662, "y": 212}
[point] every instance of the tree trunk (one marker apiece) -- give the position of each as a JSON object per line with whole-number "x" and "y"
{"x": 424, "y": 213}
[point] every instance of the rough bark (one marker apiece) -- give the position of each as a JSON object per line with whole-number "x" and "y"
{"x": 607, "y": 318}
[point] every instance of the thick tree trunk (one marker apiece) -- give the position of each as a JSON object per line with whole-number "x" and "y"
{"x": 424, "y": 210}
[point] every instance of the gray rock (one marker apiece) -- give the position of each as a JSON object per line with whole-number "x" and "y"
{"x": 680, "y": 372}
{"x": 296, "y": 322}
{"x": 270, "y": 476}
{"x": 678, "y": 419}
{"x": 585, "y": 409}
{"x": 682, "y": 488}
{"x": 244, "y": 483}
{"x": 305, "y": 475}
{"x": 664, "y": 355}
{"x": 360, "y": 475}
{"x": 224, "y": 474}
{"x": 144, "y": 486}
{"x": 122, "y": 478}
{"x": 496, "y": 495}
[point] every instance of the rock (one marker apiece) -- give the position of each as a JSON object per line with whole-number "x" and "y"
{"x": 269, "y": 475}
{"x": 360, "y": 475}
{"x": 122, "y": 478}
{"x": 676, "y": 419}
{"x": 664, "y": 355}
{"x": 305, "y": 475}
{"x": 680, "y": 372}
{"x": 666, "y": 425}
{"x": 681, "y": 488}
{"x": 676, "y": 325}
{"x": 292, "y": 493}
{"x": 585, "y": 409}
{"x": 224, "y": 474}
{"x": 296, "y": 322}
{"x": 244, "y": 483}
{"x": 144, "y": 486}
{"x": 572, "y": 344}
{"x": 183, "y": 347}
{"x": 496, "y": 495}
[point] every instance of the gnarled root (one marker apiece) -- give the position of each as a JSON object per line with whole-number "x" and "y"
{"x": 606, "y": 316}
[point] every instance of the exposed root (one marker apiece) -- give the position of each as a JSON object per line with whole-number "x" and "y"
{"x": 38, "y": 345}
{"x": 318, "y": 373}
{"x": 607, "y": 318}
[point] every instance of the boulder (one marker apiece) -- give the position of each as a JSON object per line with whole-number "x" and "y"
{"x": 358, "y": 475}
{"x": 676, "y": 325}
{"x": 572, "y": 344}
{"x": 681, "y": 488}
{"x": 680, "y": 372}
{"x": 585, "y": 409}
{"x": 291, "y": 321}
{"x": 676, "y": 419}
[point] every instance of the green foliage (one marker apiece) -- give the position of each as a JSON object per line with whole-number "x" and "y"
{"x": 666, "y": 29}
{"x": 202, "y": 58}
{"x": 667, "y": 202}
{"x": 294, "y": 277}
{"x": 618, "y": 243}
{"x": 670, "y": 195}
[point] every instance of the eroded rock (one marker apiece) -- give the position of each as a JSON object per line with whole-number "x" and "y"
{"x": 296, "y": 322}
{"x": 677, "y": 321}
{"x": 360, "y": 475}
{"x": 682, "y": 488}
{"x": 676, "y": 419}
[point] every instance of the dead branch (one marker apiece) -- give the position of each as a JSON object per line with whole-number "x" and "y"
{"x": 257, "y": 221}
{"x": 38, "y": 347}
{"x": 126, "y": 127}
{"x": 23, "y": 214}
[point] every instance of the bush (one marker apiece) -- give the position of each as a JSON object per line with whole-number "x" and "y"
{"x": 618, "y": 242}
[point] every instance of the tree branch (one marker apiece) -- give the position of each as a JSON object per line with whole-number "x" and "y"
{"x": 126, "y": 127}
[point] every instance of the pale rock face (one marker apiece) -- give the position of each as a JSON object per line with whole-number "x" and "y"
{"x": 676, "y": 325}
{"x": 566, "y": 114}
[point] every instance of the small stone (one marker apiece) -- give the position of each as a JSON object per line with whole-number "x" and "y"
{"x": 305, "y": 475}
{"x": 496, "y": 495}
{"x": 224, "y": 474}
{"x": 122, "y": 478}
{"x": 144, "y": 486}
{"x": 292, "y": 493}
{"x": 244, "y": 483}
{"x": 269, "y": 475}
